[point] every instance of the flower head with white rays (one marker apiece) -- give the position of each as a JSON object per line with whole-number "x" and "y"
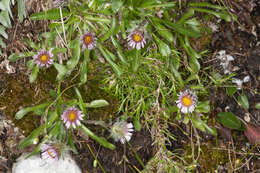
{"x": 88, "y": 40}
{"x": 187, "y": 101}
{"x": 136, "y": 40}
{"x": 49, "y": 153}
{"x": 122, "y": 131}
{"x": 72, "y": 117}
{"x": 43, "y": 58}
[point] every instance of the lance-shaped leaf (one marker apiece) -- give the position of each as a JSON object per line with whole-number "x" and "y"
{"x": 100, "y": 140}
{"x": 96, "y": 104}
{"x": 52, "y": 14}
{"x": 21, "y": 113}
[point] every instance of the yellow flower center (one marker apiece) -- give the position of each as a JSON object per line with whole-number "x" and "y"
{"x": 187, "y": 101}
{"x": 137, "y": 37}
{"x": 88, "y": 39}
{"x": 72, "y": 116}
{"x": 44, "y": 58}
{"x": 50, "y": 154}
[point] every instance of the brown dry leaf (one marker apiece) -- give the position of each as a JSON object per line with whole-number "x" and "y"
{"x": 252, "y": 132}
{"x": 224, "y": 132}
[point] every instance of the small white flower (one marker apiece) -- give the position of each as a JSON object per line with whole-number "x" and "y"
{"x": 49, "y": 153}
{"x": 122, "y": 131}
{"x": 72, "y": 117}
{"x": 136, "y": 40}
{"x": 187, "y": 101}
{"x": 88, "y": 40}
{"x": 43, "y": 58}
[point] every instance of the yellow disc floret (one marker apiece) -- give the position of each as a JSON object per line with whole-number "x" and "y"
{"x": 136, "y": 37}
{"x": 186, "y": 101}
{"x": 72, "y": 116}
{"x": 44, "y": 58}
{"x": 88, "y": 39}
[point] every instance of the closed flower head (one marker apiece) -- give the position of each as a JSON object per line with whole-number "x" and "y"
{"x": 88, "y": 40}
{"x": 187, "y": 101}
{"x": 49, "y": 153}
{"x": 136, "y": 40}
{"x": 43, "y": 58}
{"x": 122, "y": 131}
{"x": 72, "y": 117}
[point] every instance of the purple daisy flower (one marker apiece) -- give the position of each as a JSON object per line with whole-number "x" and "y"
{"x": 122, "y": 131}
{"x": 49, "y": 153}
{"x": 88, "y": 40}
{"x": 136, "y": 40}
{"x": 43, "y": 58}
{"x": 72, "y": 117}
{"x": 187, "y": 101}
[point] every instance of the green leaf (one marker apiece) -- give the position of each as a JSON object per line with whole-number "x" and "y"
{"x": 52, "y": 14}
{"x": 115, "y": 67}
{"x": 21, "y": 113}
{"x": 84, "y": 67}
{"x": 163, "y": 31}
{"x": 2, "y": 32}
{"x": 5, "y": 19}
{"x": 80, "y": 101}
{"x": 97, "y": 104}
{"x": 116, "y": 4}
{"x": 185, "y": 17}
{"x": 194, "y": 64}
{"x": 62, "y": 71}
{"x": 21, "y": 10}
{"x": 210, "y": 130}
{"x": 29, "y": 140}
{"x": 243, "y": 101}
{"x": 198, "y": 123}
{"x": 152, "y": 5}
{"x": 34, "y": 74}
{"x": 30, "y": 64}
{"x": 14, "y": 57}
{"x": 59, "y": 50}
{"x": 135, "y": 62}
{"x": 229, "y": 120}
{"x": 72, "y": 62}
{"x": 100, "y": 140}
{"x": 119, "y": 50}
{"x": 137, "y": 123}
{"x": 205, "y": 4}
{"x": 222, "y": 14}
{"x": 257, "y": 106}
{"x": 111, "y": 30}
{"x": 163, "y": 47}
{"x": 231, "y": 91}
{"x": 203, "y": 107}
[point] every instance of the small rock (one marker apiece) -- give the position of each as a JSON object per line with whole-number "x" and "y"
{"x": 35, "y": 164}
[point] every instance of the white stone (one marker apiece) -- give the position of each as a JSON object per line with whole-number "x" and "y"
{"x": 35, "y": 164}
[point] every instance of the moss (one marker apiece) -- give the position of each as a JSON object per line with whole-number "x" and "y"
{"x": 17, "y": 93}
{"x": 209, "y": 159}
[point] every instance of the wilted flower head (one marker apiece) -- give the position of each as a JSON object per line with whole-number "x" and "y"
{"x": 88, "y": 40}
{"x": 49, "y": 153}
{"x": 136, "y": 40}
{"x": 122, "y": 131}
{"x": 72, "y": 117}
{"x": 43, "y": 58}
{"x": 59, "y": 3}
{"x": 187, "y": 101}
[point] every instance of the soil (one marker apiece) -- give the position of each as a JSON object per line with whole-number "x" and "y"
{"x": 239, "y": 40}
